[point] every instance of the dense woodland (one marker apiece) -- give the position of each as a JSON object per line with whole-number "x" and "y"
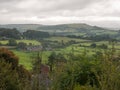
{"x": 15, "y": 34}
{"x": 32, "y": 34}
{"x": 9, "y": 33}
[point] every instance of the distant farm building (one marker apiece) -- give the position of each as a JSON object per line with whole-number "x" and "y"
{"x": 34, "y": 48}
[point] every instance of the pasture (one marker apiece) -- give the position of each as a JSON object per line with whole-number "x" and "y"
{"x": 34, "y": 42}
{"x": 26, "y": 58}
{"x": 65, "y": 39}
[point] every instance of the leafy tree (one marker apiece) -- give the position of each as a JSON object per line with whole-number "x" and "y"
{"x": 21, "y": 45}
{"x": 60, "y": 58}
{"x": 32, "y": 34}
{"x": 52, "y": 60}
{"x": 18, "y": 73}
{"x": 103, "y": 46}
{"x": 93, "y": 45}
{"x": 9, "y": 57}
{"x": 112, "y": 42}
{"x": 9, "y": 79}
{"x": 56, "y": 60}
{"x": 12, "y": 42}
{"x": 10, "y": 33}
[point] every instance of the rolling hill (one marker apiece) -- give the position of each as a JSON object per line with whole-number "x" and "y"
{"x": 75, "y": 29}
{"x": 51, "y": 27}
{"x": 21, "y": 27}
{"x": 62, "y": 29}
{"x": 69, "y": 26}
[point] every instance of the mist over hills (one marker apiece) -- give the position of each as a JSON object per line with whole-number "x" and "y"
{"x": 60, "y": 27}
{"x": 69, "y": 26}
{"x": 21, "y": 27}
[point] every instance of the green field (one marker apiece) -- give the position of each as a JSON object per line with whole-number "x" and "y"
{"x": 34, "y": 42}
{"x": 65, "y": 39}
{"x": 26, "y": 58}
{"x": 4, "y": 42}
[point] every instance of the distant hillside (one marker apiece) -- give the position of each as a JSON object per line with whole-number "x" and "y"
{"x": 72, "y": 29}
{"x": 21, "y": 27}
{"x": 69, "y": 26}
{"x": 62, "y": 29}
{"x": 51, "y": 27}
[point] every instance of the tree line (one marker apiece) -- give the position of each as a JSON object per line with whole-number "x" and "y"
{"x": 6, "y": 33}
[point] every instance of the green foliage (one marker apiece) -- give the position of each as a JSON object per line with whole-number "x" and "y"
{"x": 37, "y": 62}
{"x": 32, "y": 34}
{"x": 76, "y": 73}
{"x": 52, "y": 60}
{"x": 55, "y": 60}
{"x": 109, "y": 77}
{"x": 12, "y": 42}
{"x": 93, "y": 45}
{"x": 8, "y": 77}
{"x": 9, "y": 57}
{"x": 21, "y": 45}
{"x": 103, "y": 46}
{"x": 12, "y": 75}
{"x": 99, "y": 72}
{"x": 9, "y": 33}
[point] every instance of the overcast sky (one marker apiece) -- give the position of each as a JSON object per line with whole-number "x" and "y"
{"x": 94, "y": 12}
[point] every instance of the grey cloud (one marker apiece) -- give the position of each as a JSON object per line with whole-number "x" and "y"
{"x": 46, "y": 5}
{"x": 6, "y": 1}
{"x": 48, "y": 11}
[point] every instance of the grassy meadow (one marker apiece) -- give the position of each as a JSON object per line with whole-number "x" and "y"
{"x": 26, "y": 58}
{"x": 64, "y": 39}
{"x": 34, "y": 42}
